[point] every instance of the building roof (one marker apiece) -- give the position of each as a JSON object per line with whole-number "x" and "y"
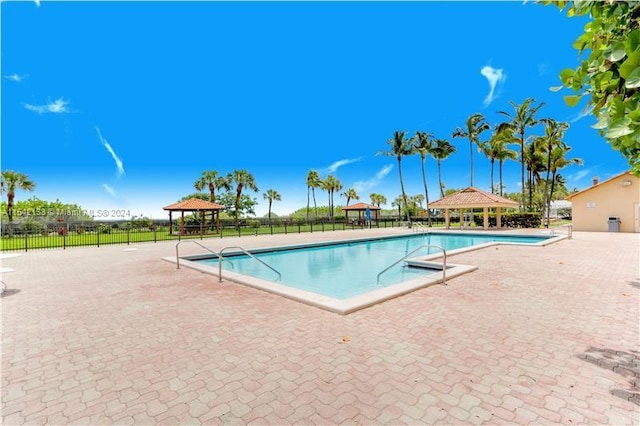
{"x": 598, "y": 185}
{"x": 194, "y": 204}
{"x": 361, "y": 206}
{"x": 472, "y": 198}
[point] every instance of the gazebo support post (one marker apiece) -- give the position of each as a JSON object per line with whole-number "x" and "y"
{"x": 461, "y": 218}
{"x": 170, "y": 224}
{"x": 499, "y": 217}
{"x": 446, "y": 219}
{"x": 182, "y": 224}
{"x": 201, "y": 224}
{"x": 485, "y": 212}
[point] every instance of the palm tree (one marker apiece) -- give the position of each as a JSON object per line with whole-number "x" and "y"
{"x": 522, "y": 117}
{"x": 398, "y": 203}
{"x": 501, "y": 152}
{"x": 271, "y": 195}
{"x": 243, "y": 179}
{"x": 558, "y": 162}
{"x": 475, "y": 125}
{"x": 534, "y": 159}
{"x": 553, "y": 135}
{"x": 350, "y": 194}
{"x": 313, "y": 182}
{"x": 11, "y": 181}
{"x": 441, "y": 151}
{"x": 331, "y": 184}
{"x": 400, "y": 147}
{"x": 377, "y": 199}
{"x": 210, "y": 179}
{"x": 423, "y": 145}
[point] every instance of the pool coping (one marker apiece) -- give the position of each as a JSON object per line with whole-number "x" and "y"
{"x": 355, "y": 303}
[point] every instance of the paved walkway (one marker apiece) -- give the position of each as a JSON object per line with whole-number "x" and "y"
{"x": 540, "y": 335}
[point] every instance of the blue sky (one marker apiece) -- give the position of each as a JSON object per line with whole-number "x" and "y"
{"x": 122, "y": 105}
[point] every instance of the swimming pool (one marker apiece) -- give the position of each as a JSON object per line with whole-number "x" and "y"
{"x": 343, "y": 275}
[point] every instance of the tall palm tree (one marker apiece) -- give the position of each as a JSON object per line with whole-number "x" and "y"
{"x": 523, "y": 116}
{"x": 558, "y": 162}
{"x": 475, "y": 125}
{"x": 441, "y": 151}
{"x": 331, "y": 184}
{"x": 211, "y": 180}
{"x": 400, "y": 147}
{"x": 377, "y": 199}
{"x": 398, "y": 203}
{"x": 423, "y": 144}
{"x": 243, "y": 179}
{"x": 313, "y": 182}
{"x": 11, "y": 181}
{"x": 271, "y": 195}
{"x": 552, "y": 138}
{"x": 534, "y": 160}
{"x": 500, "y": 151}
{"x": 350, "y": 194}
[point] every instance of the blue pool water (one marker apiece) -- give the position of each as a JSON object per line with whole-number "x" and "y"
{"x": 343, "y": 270}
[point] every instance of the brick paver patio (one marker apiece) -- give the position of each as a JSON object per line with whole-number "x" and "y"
{"x": 540, "y": 335}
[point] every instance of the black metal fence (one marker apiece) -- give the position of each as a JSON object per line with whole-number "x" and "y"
{"x": 38, "y": 235}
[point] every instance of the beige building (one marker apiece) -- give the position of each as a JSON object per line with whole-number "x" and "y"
{"x": 619, "y": 197}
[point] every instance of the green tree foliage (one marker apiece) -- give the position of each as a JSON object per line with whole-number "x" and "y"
{"x": 199, "y": 195}
{"x": 9, "y": 182}
{"x": 270, "y": 196}
{"x": 400, "y": 147}
{"x": 441, "y": 151}
{"x": 609, "y": 71}
{"x": 37, "y": 210}
{"x": 245, "y": 207}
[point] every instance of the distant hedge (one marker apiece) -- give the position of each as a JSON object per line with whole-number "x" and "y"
{"x": 512, "y": 220}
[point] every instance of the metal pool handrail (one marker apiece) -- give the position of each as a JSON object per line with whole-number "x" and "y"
{"x": 444, "y": 262}
{"x": 569, "y": 230}
{"x": 248, "y": 254}
{"x": 201, "y": 245}
{"x": 419, "y": 226}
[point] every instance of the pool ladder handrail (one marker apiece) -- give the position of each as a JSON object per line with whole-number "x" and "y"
{"x": 569, "y": 230}
{"x": 419, "y": 227}
{"x": 195, "y": 242}
{"x": 248, "y": 254}
{"x": 444, "y": 262}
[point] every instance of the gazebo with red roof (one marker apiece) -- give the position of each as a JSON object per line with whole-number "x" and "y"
{"x": 195, "y": 205}
{"x": 472, "y": 198}
{"x": 360, "y": 208}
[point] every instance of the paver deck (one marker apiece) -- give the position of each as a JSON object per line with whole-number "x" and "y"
{"x": 542, "y": 335}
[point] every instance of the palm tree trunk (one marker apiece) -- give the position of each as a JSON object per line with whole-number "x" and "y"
{"x": 404, "y": 195}
{"x": 440, "y": 180}
{"x": 308, "y": 190}
{"x": 270, "y": 201}
{"x": 500, "y": 171}
{"x": 553, "y": 182}
{"x": 237, "y": 206}
{"x": 426, "y": 194}
{"x": 10, "y": 197}
{"x": 471, "y": 161}
{"x": 522, "y": 168}
{"x": 547, "y": 196}
{"x": 492, "y": 163}
{"x": 315, "y": 206}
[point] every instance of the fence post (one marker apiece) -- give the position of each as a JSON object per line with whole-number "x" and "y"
{"x": 155, "y": 239}
{"x": 128, "y": 237}
{"x": 25, "y": 240}
{"x": 311, "y": 223}
{"x": 285, "y": 228}
{"x": 98, "y": 234}
{"x": 64, "y": 240}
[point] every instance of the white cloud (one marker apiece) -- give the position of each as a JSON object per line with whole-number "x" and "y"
{"x": 117, "y": 159}
{"x": 59, "y": 106}
{"x": 365, "y": 185}
{"x": 16, "y": 77}
{"x": 109, "y": 190}
{"x": 543, "y": 69}
{"x": 579, "y": 175}
{"x": 333, "y": 167}
{"x": 585, "y": 112}
{"x": 495, "y": 76}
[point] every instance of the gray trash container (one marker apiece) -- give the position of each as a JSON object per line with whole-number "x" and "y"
{"x": 614, "y": 224}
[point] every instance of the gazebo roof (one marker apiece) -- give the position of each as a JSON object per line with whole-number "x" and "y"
{"x": 194, "y": 204}
{"x": 472, "y": 198}
{"x": 361, "y": 206}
